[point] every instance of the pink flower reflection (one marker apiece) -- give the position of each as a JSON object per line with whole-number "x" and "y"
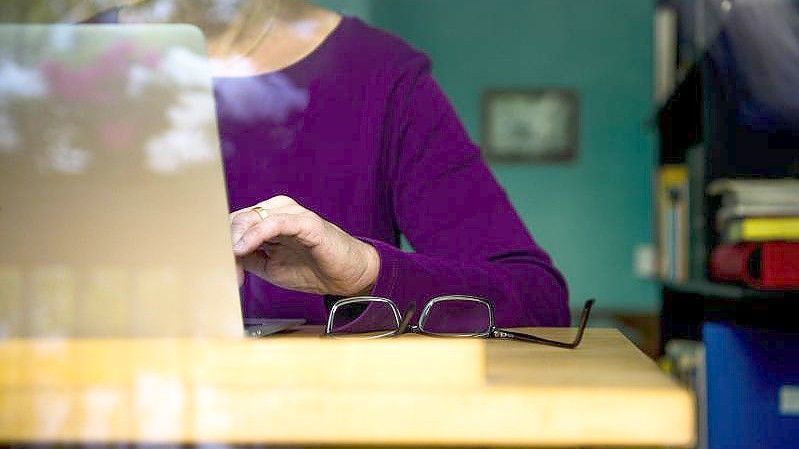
{"x": 99, "y": 82}
{"x": 117, "y": 135}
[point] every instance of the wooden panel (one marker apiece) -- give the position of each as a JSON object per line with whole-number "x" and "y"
{"x": 283, "y": 362}
{"x": 604, "y": 393}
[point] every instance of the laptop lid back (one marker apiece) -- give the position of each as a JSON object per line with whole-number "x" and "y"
{"x": 113, "y": 213}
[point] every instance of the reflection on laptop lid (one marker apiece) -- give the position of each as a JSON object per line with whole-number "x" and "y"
{"x": 113, "y": 213}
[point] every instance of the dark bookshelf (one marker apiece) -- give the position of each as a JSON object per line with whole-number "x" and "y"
{"x": 718, "y": 124}
{"x": 680, "y": 118}
{"x": 700, "y": 125}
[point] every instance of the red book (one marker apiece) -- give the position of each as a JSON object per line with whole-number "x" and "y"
{"x": 762, "y": 265}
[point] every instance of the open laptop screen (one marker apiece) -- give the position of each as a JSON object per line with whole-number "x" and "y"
{"x": 113, "y": 213}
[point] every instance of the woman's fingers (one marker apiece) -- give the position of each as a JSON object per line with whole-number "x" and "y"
{"x": 244, "y": 219}
{"x": 305, "y": 227}
{"x": 292, "y": 247}
{"x": 277, "y": 201}
{"x": 272, "y": 203}
{"x": 241, "y": 222}
{"x": 255, "y": 262}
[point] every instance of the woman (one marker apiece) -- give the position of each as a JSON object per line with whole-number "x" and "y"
{"x": 339, "y": 135}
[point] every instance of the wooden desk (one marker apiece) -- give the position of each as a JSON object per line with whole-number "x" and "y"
{"x": 509, "y": 393}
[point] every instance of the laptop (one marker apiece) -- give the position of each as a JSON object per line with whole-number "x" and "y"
{"x": 113, "y": 212}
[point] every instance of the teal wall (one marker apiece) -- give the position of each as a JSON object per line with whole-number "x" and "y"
{"x": 589, "y": 214}
{"x": 358, "y": 8}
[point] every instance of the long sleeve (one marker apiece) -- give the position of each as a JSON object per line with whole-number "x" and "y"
{"x": 466, "y": 235}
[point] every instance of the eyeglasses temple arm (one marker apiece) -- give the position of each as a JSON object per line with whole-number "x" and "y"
{"x": 502, "y": 333}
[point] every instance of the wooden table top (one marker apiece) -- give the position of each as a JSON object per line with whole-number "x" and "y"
{"x": 298, "y": 389}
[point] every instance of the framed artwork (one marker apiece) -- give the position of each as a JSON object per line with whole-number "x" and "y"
{"x": 531, "y": 125}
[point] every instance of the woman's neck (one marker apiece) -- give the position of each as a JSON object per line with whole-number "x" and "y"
{"x": 244, "y": 37}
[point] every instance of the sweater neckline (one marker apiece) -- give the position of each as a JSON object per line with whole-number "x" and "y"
{"x": 307, "y": 59}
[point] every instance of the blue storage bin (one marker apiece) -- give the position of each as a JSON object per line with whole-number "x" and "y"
{"x": 752, "y": 387}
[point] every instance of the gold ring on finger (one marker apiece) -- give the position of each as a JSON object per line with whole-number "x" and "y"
{"x": 260, "y": 211}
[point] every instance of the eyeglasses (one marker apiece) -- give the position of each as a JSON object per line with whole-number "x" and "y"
{"x": 443, "y": 316}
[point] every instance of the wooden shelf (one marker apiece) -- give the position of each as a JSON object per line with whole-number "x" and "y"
{"x": 686, "y": 307}
{"x": 728, "y": 291}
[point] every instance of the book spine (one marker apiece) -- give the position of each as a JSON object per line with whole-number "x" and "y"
{"x": 697, "y": 214}
{"x": 770, "y": 265}
{"x": 665, "y": 52}
{"x": 762, "y": 229}
{"x": 672, "y": 223}
{"x": 780, "y": 265}
{"x": 728, "y": 263}
{"x": 727, "y": 214}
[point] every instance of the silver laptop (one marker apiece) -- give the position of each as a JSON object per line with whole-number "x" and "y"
{"x": 113, "y": 213}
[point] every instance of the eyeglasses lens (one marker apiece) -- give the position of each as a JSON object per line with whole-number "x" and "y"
{"x": 457, "y": 317}
{"x": 364, "y": 319}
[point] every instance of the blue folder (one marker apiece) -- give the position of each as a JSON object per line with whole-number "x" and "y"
{"x": 752, "y": 387}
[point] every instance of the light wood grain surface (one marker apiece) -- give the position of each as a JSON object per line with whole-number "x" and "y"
{"x": 303, "y": 390}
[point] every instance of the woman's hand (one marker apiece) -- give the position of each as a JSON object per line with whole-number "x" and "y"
{"x": 292, "y": 247}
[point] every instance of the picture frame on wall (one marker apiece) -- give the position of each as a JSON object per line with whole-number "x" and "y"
{"x": 535, "y": 125}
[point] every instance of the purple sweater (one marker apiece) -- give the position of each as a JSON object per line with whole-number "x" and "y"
{"x": 360, "y": 133}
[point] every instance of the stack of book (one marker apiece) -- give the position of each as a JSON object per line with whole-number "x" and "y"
{"x": 672, "y": 223}
{"x": 758, "y": 230}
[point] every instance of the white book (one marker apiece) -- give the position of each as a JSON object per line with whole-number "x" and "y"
{"x": 756, "y": 191}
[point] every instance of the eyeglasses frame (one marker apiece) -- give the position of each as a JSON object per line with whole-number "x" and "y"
{"x": 492, "y": 331}
{"x": 364, "y": 299}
